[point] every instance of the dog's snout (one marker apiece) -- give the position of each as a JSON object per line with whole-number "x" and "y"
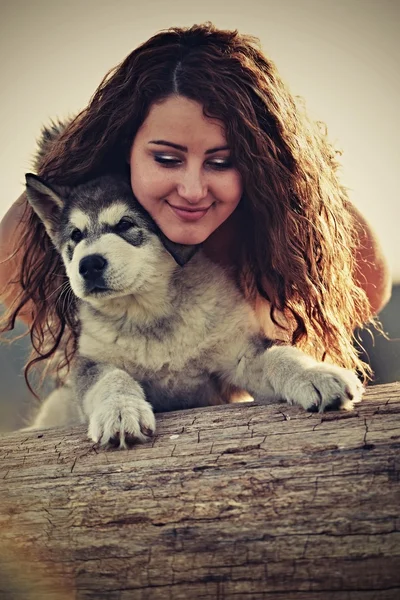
{"x": 90, "y": 267}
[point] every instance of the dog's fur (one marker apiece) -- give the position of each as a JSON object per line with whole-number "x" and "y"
{"x": 162, "y": 327}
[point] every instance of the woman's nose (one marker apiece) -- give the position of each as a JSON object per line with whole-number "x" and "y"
{"x": 192, "y": 187}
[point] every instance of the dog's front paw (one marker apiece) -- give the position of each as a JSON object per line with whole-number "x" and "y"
{"x": 122, "y": 421}
{"x": 326, "y": 387}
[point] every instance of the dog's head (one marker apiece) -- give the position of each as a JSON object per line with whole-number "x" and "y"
{"x": 109, "y": 244}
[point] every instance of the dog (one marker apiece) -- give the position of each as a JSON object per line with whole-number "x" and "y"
{"x": 161, "y": 327}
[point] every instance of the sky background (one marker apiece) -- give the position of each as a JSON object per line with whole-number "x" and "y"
{"x": 342, "y": 56}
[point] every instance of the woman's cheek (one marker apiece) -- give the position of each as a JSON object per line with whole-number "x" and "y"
{"x": 143, "y": 183}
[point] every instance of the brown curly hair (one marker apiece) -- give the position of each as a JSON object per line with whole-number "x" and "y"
{"x": 299, "y": 238}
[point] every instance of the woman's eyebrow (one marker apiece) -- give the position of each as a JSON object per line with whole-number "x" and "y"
{"x": 184, "y": 148}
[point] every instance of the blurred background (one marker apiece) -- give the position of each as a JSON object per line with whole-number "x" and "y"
{"x": 341, "y": 56}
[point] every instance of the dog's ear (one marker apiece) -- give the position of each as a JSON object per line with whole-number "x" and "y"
{"x": 46, "y": 202}
{"x": 181, "y": 253}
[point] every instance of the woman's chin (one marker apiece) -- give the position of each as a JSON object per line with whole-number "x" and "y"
{"x": 187, "y": 238}
{"x": 190, "y": 241}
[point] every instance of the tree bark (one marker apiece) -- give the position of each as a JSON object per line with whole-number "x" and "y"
{"x": 238, "y": 501}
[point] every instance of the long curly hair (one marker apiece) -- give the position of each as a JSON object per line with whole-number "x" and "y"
{"x": 298, "y": 236}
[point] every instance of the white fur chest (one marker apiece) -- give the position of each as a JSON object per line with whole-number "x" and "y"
{"x": 141, "y": 350}
{"x": 171, "y": 344}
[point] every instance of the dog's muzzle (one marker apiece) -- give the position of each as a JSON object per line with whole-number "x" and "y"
{"x": 91, "y": 269}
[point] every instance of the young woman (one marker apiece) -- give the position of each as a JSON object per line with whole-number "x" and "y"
{"x": 220, "y": 154}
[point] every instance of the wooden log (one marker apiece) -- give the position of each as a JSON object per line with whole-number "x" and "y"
{"x": 239, "y": 501}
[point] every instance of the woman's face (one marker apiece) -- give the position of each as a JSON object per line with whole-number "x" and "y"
{"x": 181, "y": 171}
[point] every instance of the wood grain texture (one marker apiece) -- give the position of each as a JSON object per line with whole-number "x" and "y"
{"x": 239, "y": 501}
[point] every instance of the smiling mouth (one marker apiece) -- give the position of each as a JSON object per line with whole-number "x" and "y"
{"x": 189, "y": 214}
{"x": 202, "y": 209}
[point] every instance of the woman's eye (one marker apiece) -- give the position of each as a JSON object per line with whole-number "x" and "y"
{"x": 221, "y": 164}
{"x": 123, "y": 225}
{"x": 166, "y": 161}
{"x": 76, "y": 235}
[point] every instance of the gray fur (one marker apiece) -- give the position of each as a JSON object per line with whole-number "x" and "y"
{"x": 156, "y": 336}
{"x": 48, "y": 135}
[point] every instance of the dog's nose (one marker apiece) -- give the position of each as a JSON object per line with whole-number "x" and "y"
{"x": 90, "y": 267}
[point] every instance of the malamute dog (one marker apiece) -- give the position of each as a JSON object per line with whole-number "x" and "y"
{"x": 162, "y": 327}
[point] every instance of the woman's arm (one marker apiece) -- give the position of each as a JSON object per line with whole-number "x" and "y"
{"x": 373, "y": 274}
{"x": 11, "y": 254}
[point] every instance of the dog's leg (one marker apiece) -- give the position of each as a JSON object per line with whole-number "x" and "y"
{"x": 270, "y": 371}
{"x": 114, "y": 404}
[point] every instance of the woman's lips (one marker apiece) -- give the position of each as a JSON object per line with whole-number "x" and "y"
{"x": 188, "y": 214}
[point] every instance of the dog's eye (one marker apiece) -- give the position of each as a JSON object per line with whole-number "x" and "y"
{"x": 123, "y": 225}
{"x": 76, "y": 235}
